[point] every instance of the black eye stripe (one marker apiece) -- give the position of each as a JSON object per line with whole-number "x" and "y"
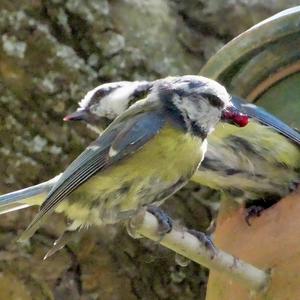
{"x": 140, "y": 93}
{"x": 213, "y": 100}
{"x": 101, "y": 93}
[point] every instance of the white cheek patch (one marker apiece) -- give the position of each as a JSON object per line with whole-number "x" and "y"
{"x": 85, "y": 102}
{"x": 203, "y": 112}
{"x": 116, "y": 102}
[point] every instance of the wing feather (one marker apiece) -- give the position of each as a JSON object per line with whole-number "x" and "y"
{"x": 267, "y": 119}
{"x": 125, "y": 135}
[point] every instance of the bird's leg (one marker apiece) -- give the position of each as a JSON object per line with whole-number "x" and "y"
{"x": 204, "y": 239}
{"x": 166, "y": 226}
{"x": 164, "y": 221}
{"x": 253, "y": 211}
{"x": 254, "y": 208}
{"x": 294, "y": 185}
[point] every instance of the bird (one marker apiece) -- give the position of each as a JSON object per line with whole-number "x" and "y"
{"x": 111, "y": 179}
{"x": 115, "y": 98}
{"x": 256, "y": 164}
{"x": 101, "y": 105}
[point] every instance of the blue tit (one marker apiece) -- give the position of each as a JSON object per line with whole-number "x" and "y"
{"x": 98, "y": 108}
{"x": 104, "y": 103}
{"x": 144, "y": 156}
{"x": 259, "y": 161}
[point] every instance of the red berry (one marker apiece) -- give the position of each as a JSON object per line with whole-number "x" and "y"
{"x": 240, "y": 119}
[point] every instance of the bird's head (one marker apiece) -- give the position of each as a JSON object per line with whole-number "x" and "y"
{"x": 101, "y": 105}
{"x": 196, "y": 103}
{"x": 199, "y": 97}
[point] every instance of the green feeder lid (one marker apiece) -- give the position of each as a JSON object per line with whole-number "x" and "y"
{"x": 263, "y": 65}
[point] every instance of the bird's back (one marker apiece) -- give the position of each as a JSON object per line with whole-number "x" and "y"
{"x": 255, "y": 160}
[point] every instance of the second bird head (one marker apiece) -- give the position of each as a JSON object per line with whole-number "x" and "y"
{"x": 103, "y": 104}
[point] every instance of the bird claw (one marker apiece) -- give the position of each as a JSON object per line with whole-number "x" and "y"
{"x": 294, "y": 185}
{"x": 205, "y": 240}
{"x": 164, "y": 221}
{"x": 253, "y": 211}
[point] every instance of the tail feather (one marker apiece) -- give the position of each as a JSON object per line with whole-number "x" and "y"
{"x": 7, "y": 208}
{"x": 33, "y": 195}
{"x": 267, "y": 119}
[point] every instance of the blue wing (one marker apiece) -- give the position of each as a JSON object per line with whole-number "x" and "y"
{"x": 121, "y": 139}
{"x": 266, "y": 118}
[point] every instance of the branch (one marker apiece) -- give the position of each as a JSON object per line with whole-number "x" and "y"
{"x": 187, "y": 245}
{"x": 145, "y": 224}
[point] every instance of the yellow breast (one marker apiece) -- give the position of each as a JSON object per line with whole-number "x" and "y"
{"x": 165, "y": 159}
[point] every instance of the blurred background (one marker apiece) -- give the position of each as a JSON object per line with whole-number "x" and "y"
{"x": 51, "y": 54}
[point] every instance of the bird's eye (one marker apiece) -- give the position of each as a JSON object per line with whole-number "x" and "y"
{"x": 213, "y": 100}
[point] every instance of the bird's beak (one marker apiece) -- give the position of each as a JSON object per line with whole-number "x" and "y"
{"x": 93, "y": 121}
{"x": 79, "y": 115}
{"x": 233, "y": 116}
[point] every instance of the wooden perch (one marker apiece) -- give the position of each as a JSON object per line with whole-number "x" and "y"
{"x": 187, "y": 245}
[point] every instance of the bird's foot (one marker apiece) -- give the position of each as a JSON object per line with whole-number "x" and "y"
{"x": 164, "y": 221}
{"x": 253, "y": 211}
{"x": 294, "y": 185}
{"x": 205, "y": 240}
